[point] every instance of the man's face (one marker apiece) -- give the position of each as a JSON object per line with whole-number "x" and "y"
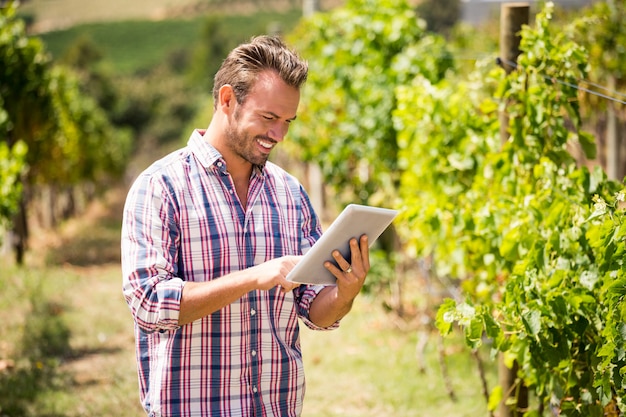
{"x": 262, "y": 121}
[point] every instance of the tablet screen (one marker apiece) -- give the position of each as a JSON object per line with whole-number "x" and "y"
{"x": 353, "y": 222}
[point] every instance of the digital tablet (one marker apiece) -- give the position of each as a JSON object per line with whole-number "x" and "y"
{"x": 354, "y": 221}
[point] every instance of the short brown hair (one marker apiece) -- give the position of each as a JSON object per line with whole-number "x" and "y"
{"x": 244, "y": 63}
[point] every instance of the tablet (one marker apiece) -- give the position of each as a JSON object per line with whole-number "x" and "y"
{"x": 354, "y": 221}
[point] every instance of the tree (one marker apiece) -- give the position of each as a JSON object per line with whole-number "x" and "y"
{"x": 68, "y": 137}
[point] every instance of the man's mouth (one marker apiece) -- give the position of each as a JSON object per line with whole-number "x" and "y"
{"x": 267, "y": 144}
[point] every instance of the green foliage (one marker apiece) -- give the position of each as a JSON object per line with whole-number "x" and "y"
{"x": 88, "y": 147}
{"x": 445, "y": 133}
{"x": 357, "y": 55}
{"x": 86, "y": 59}
{"x": 82, "y": 54}
{"x": 69, "y": 138}
{"x": 536, "y": 244}
{"x": 209, "y": 51}
{"x": 11, "y": 169}
{"x": 544, "y": 95}
{"x": 602, "y": 28}
{"x": 24, "y": 78}
{"x": 156, "y": 106}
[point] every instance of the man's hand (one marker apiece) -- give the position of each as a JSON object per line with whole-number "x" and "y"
{"x": 200, "y": 299}
{"x": 273, "y": 273}
{"x": 351, "y": 274}
{"x": 334, "y": 302}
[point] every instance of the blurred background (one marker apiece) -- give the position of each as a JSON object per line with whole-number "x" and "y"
{"x": 495, "y": 128}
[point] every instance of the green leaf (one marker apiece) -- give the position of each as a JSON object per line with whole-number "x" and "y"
{"x": 495, "y": 397}
{"x": 532, "y": 322}
{"x": 446, "y": 315}
{"x": 474, "y": 333}
{"x": 510, "y": 244}
{"x": 492, "y": 328}
{"x": 587, "y": 143}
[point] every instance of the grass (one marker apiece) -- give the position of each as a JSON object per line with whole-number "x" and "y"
{"x": 129, "y": 45}
{"x": 95, "y": 376}
{"x": 368, "y": 367}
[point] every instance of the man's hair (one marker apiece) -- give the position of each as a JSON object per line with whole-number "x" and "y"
{"x": 243, "y": 64}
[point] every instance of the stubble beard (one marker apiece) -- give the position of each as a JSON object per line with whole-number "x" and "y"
{"x": 244, "y": 145}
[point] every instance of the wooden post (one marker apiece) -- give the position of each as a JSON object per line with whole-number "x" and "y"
{"x": 512, "y": 17}
{"x": 614, "y": 165}
{"x": 309, "y": 7}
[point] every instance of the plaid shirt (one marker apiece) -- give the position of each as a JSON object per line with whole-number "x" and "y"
{"x": 184, "y": 222}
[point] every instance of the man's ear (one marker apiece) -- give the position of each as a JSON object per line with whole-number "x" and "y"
{"x": 226, "y": 97}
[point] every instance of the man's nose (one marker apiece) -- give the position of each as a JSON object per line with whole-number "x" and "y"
{"x": 278, "y": 131}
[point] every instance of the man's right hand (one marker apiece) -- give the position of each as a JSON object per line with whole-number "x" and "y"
{"x": 273, "y": 273}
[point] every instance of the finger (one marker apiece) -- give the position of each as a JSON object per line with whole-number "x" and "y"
{"x": 287, "y": 288}
{"x": 355, "y": 253}
{"x": 365, "y": 252}
{"x": 332, "y": 268}
{"x": 341, "y": 261}
{"x": 286, "y": 285}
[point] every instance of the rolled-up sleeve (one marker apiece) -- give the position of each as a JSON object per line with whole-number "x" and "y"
{"x": 305, "y": 296}
{"x": 149, "y": 256}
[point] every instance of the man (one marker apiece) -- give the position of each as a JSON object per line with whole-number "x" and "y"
{"x": 209, "y": 234}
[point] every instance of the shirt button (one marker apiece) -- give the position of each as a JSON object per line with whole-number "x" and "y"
{"x": 253, "y": 353}
{"x": 254, "y": 390}
{"x": 252, "y": 312}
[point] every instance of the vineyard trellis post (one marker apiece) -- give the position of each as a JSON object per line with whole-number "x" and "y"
{"x": 310, "y": 6}
{"x": 614, "y": 155}
{"x": 512, "y": 17}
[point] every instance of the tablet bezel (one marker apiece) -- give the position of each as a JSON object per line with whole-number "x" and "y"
{"x": 354, "y": 221}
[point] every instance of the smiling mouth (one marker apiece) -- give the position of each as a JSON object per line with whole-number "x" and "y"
{"x": 267, "y": 144}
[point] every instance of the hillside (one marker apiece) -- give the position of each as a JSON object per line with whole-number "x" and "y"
{"x": 57, "y": 14}
{"x": 51, "y": 15}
